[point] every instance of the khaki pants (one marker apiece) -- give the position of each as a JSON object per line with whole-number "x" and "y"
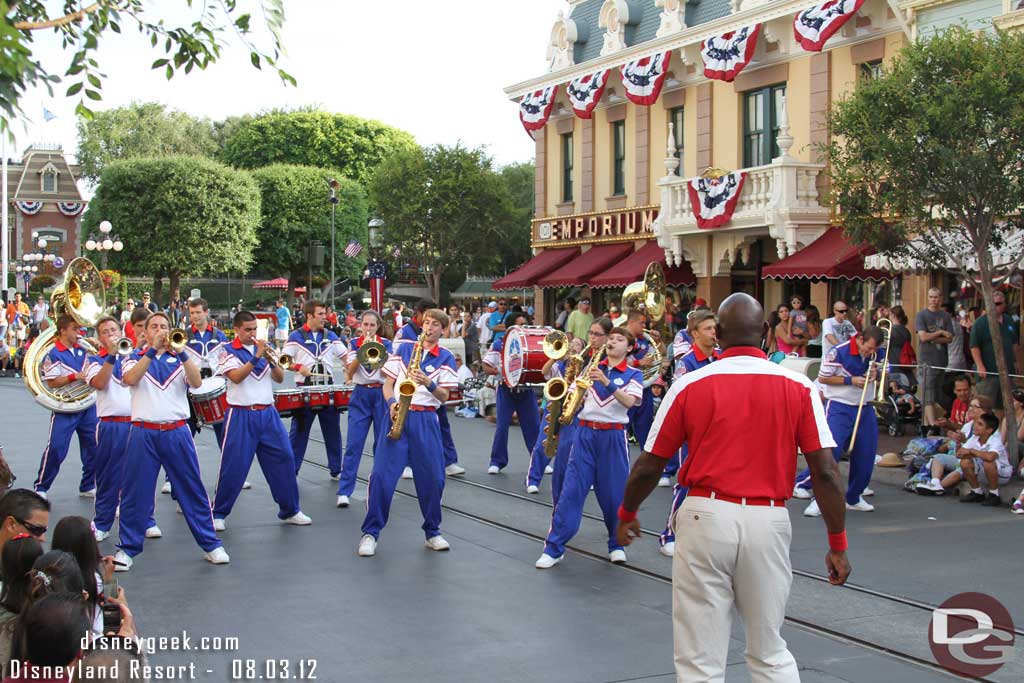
{"x": 730, "y": 555}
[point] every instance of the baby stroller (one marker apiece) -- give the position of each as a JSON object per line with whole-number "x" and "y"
{"x": 897, "y": 411}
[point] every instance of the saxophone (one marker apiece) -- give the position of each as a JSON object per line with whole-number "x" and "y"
{"x": 405, "y": 389}
{"x": 555, "y": 391}
{"x": 581, "y": 386}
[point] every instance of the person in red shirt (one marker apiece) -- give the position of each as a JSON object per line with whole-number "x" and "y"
{"x": 958, "y": 413}
{"x": 733, "y": 529}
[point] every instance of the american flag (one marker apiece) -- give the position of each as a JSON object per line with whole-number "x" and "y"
{"x": 353, "y": 249}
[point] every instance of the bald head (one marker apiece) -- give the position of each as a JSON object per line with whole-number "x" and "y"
{"x": 740, "y": 321}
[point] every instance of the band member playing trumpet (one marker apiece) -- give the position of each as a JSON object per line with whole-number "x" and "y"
{"x": 600, "y": 454}
{"x": 423, "y": 373}
{"x": 315, "y": 351}
{"x": 203, "y": 339}
{"x": 844, "y": 372}
{"x": 62, "y": 367}
{"x": 366, "y": 407}
{"x": 252, "y": 427}
{"x": 114, "y": 409}
{"x": 521, "y": 400}
{"x": 160, "y": 437}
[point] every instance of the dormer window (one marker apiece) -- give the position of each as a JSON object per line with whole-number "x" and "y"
{"x": 48, "y": 179}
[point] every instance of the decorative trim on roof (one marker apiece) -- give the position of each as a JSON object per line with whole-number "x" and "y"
{"x": 564, "y": 35}
{"x": 673, "y": 17}
{"x": 613, "y": 19}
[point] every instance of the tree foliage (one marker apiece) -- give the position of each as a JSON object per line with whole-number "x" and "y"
{"x": 514, "y": 240}
{"x": 929, "y": 157}
{"x": 177, "y": 216}
{"x": 353, "y": 145}
{"x": 81, "y": 27}
{"x": 296, "y": 210}
{"x": 444, "y": 208}
{"x": 140, "y": 130}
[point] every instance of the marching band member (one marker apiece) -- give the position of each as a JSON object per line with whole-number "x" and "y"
{"x": 600, "y": 454}
{"x": 539, "y": 462}
{"x": 703, "y": 328}
{"x": 844, "y": 371}
{"x": 366, "y": 407}
{"x": 520, "y": 400}
{"x": 63, "y": 366}
{"x": 419, "y": 445}
{"x": 114, "y": 409}
{"x": 642, "y": 414}
{"x": 160, "y": 437}
{"x": 315, "y": 351}
{"x": 253, "y": 427}
{"x": 203, "y": 338}
{"x": 408, "y": 335}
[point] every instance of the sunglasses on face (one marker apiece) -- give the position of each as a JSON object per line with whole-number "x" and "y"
{"x": 1000, "y": 303}
{"x": 840, "y": 310}
{"x": 34, "y": 529}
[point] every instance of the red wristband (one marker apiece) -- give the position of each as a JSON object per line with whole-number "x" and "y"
{"x": 73, "y": 376}
{"x": 626, "y": 515}
{"x": 837, "y": 542}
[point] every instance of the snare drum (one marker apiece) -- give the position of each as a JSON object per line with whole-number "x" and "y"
{"x": 454, "y": 397}
{"x": 319, "y": 397}
{"x": 289, "y": 401}
{"x": 210, "y": 400}
{"x": 522, "y": 355}
{"x": 340, "y": 396}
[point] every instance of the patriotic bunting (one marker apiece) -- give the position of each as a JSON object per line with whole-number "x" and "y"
{"x": 643, "y": 78}
{"x": 29, "y": 208}
{"x": 714, "y": 199}
{"x": 816, "y": 24}
{"x": 377, "y": 273}
{"x": 535, "y": 108}
{"x": 70, "y": 208}
{"x": 726, "y": 55}
{"x": 585, "y": 92}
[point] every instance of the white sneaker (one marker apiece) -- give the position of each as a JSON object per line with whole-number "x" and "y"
{"x": 407, "y": 473}
{"x": 367, "y": 546}
{"x": 532, "y": 489}
{"x": 219, "y": 524}
{"x": 665, "y": 482}
{"x": 122, "y": 562}
{"x": 930, "y": 488}
{"x": 804, "y": 494}
{"x": 493, "y": 469}
{"x": 217, "y": 556}
{"x": 246, "y": 486}
{"x": 342, "y": 502}
{"x": 154, "y": 532}
{"x": 545, "y": 561}
{"x": 91, "y": 493}
{"x": 617, "y": 556}
{"x": 669, "y": 549}
{"x": 549, "y": 469}
{"x": 101, "y": 535}
{"x": 166, "y": 488}
{"x": 454, "y": 470}
{"x": 861, "y": 506}
{"x": 868, "y": 492}
{"x": 43, "y": 494}
{"x": 298, "y": 519}
{"x": 812, "y": 510}
{"x": 437, "y": 543}
{"x": 177, "y": 508}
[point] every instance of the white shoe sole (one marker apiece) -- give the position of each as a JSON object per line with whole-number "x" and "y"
{"x": 154, "y": 532}
{"x": 538, "y": 564}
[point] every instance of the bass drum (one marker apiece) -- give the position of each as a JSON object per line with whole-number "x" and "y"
{"x": 804, "y": 366}
{"x": 522, "y": 355}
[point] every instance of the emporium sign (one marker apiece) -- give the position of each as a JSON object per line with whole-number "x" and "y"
{"x": 588, "y": 228}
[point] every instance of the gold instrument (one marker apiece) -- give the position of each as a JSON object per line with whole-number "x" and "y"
{"x": 649, "y": 295}
{"x": 125, "y": 346}
{"x": 82, "y": 296}
{"x": 580, "y": 386}
{"x": 405, "y": 389}
{"x": 372, "y": 355}
{"x": 881, "y": 369}
{"x": 555, "y": 344}
{"x": 283, "y": 360}
{"x": 177, "y": 340}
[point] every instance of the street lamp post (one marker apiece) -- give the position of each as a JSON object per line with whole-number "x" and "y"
{"x": 333, "y": 184}
{"x": 104, "y": 243}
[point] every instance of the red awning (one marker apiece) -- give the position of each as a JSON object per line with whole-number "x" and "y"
{"x": 540, "y": 265}
{"x": 631, "y": 269}
{"x": 276, "y": 283}
{"x": 831, "y": 256}
{"x": 579, "y": 270}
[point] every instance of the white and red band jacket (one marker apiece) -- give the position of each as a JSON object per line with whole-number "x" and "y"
{"x": 322, "y": 351}
{"x": 205, "y": 344}
{"x": 743, "y": 419}
{"x": 63, "y": 361}
{"x": 162, "y": 393}
{"x": 600, "y": 405}
{"x": 361, "y": 376}
{"x": 681, "y": 345}
{"x": 844, "y": 360}
{"x": 438, "y": 364}
{"x": 115, "y": 400}
{"x": 257, "y": 389}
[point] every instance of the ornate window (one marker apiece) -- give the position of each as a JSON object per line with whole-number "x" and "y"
{"x": 761, "y": 124}
{"x": 48, "y": 179}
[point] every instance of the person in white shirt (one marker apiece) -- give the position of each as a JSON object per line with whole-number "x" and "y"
{"x": 481, "y": 325}
{"x": 39, "y": 311}
{"x": 984, "y": 462}
{"x": 126, "y": 314}
{"x": 837, "y": 329}
{"x": 462, "y": 373}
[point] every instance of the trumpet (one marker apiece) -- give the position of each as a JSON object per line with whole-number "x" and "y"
{"x": 282, "y": 360}
{"x": 124, "y": 346}
{"x": 177, "y": 340}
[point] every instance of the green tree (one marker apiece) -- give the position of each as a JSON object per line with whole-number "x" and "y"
{"x": 140, "y": 130}
{"x": 296, "y": 210}
{"x": 314, "y": 138}
{"x": 514, "y": 240}
{"x": 927, "y": 160}
{"x": 443, "y": 208}
{"x": 177, "y": 216}
{"x": 196, "y": 42}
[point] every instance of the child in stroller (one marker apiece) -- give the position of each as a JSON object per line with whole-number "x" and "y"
{"x": 902, "y": 406}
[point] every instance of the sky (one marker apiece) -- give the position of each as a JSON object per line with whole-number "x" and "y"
{"x": 435, "y": 69}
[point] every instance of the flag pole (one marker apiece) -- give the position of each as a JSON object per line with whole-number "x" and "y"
{"x": 4, "y": 240}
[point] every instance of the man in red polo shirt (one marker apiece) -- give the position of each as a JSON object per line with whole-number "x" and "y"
{"x": 733, "y": 532}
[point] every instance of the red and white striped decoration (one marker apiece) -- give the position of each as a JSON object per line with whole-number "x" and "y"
{"x": 726, "y": 55}
{"x": 713, "y": 200}
{"x": 642, "y": 78}
{"x": 816, "y": 24}
{"x": 535, "y": 108}
{"x": 585, "y": 92}
{"x": 70, "y": 208}
{"x": 29, "y": 208}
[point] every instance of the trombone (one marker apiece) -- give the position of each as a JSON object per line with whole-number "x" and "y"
{"x": 885, "y": 325}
